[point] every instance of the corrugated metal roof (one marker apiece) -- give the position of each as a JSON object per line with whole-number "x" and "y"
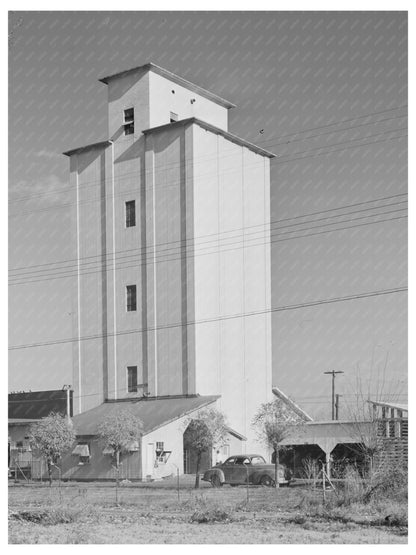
{"x": 154, "y": 413}
{"x": 36, "y": 404}
{"x": 341, "y": 431}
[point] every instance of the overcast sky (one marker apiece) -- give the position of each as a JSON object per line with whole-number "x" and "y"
{"x": 326, "y": 92}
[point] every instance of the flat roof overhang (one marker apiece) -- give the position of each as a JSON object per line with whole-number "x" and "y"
{"x": 101, "y": 144}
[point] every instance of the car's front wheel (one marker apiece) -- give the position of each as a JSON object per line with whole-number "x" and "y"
{"x": 266, "y": 481}
{"x": 215, "y": 481}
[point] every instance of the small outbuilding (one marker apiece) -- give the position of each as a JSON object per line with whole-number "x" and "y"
{"x": 162, "y": 449}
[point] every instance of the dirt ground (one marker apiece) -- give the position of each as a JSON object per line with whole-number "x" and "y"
{"x": 154, "y": 514}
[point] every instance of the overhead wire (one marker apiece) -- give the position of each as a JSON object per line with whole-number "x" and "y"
{"x": 309, "y": 304}
{"x": 162, "y": 257}
{"x": 209, "y": 157}
{"x": 217, "y": 234}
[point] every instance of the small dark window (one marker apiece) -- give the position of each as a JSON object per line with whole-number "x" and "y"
{"x": 130, "y": 213}
{"x": 131, "y": 298}
{"x": 173, "y": 117}
{"x": 132, "y": 379}
{"x": 129, "y": 121}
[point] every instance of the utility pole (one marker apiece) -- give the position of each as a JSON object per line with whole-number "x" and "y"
{"x": 333, "y": 373}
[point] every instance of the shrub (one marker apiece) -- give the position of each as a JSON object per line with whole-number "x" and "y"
{"x": 48, "y": 516}
{"x": 211, "y": 515}
{"x": 205, "y": 512}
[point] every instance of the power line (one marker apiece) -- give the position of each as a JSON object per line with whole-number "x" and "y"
{"x": 207, "y": 157}
{"x": 158, "y": 260}
{"x": 221, "y": 251}
{"x": 339, "y": 122}
{"x": 151, "y": 249}
{"x": 176, "y": 183}
{"x": 340, "y": 150}
{"x": 211, "y": 320}
{"x": 272, "y": 222}
{"x": 305, "y": 400}
{"x": 332, "y": 132}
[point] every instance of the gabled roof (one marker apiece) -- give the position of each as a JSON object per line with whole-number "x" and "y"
{"x": 154, "y": 413}
{"x": 172, "y": 77}
{"x": 217, "y": 130}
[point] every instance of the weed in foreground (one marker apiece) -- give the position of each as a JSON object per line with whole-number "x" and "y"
{"x": 47, "y": 516}
{"x": 206, "y": 511}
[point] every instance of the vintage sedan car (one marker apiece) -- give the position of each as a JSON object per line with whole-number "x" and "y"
{"x": 238, "y": 469}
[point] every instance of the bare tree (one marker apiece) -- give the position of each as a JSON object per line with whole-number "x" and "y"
{"x": 206, "y": 430}
{"x": 52, "y": 436}
{"x": 366, "y": 423}
{"x": 274, "y": 422}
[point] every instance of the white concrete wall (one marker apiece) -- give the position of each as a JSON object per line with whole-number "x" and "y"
{"x": 163, "y": 101}
{"x": 232, "y": 277}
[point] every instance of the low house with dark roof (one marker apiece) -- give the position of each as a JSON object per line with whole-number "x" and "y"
{"x": 162, "y": 449}
{"x": 24, "y": 409}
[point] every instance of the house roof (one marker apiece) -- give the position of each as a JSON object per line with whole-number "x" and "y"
{"x": 154, "y": 413}
{"x": 172, "y": 77}
{"x": 22, "y": 421}
{"x": 328, "y": 434}
{"x": 217, "y": 130}
{"x": 32, "y": 405}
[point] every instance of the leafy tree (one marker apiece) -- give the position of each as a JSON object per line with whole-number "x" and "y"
{"x": 52, "y": 436}
{"x": 206, "y": 430}
{"x": 274, "y": 422}
{"x": 119, "y": 430}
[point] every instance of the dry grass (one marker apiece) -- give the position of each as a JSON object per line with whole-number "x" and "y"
{"x": 88, "y": 514}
